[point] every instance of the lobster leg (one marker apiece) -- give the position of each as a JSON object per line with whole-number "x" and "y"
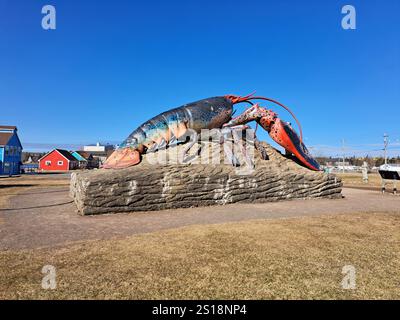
{"x": 232, "y": 136}
{"x": 237, "y": 134}
{"x": 227, "y": 142}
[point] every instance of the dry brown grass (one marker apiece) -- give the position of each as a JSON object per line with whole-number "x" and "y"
{"x": 355, "y": 180}
{"x": 14, "y": 185}
{"x": 298, "y": 258}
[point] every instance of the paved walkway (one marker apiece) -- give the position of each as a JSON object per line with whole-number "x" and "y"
{"x": 47, "y": 217}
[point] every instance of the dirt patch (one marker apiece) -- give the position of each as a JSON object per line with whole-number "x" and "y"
{"x": 11, "y": 186}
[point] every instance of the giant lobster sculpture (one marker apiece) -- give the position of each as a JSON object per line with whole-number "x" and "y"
{"x": 210, "y": 113}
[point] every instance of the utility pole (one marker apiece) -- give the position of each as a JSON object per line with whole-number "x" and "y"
{"x": 343, "y": 155}
{"x": 385, "y": 144}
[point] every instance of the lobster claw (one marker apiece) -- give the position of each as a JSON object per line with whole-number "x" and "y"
{"x": 122, "y": 158}
{"x": 283, "y": 134}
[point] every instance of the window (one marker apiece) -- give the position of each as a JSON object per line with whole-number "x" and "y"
{"x": 48, "y": 163}
{"x": 60, "y": 163}
{"x": 6, "y": 150}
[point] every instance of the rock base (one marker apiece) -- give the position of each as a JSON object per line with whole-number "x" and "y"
{"x": 170, "y": 185}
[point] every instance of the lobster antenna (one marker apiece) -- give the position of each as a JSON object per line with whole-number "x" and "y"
{"x": 248, "y": 101}
{"x": 249, "y": 96}
{"x": 286, "y": 108}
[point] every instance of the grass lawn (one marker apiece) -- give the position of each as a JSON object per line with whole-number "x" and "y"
{"x": 297, "y": 258}
{"x": 351, "y": 179}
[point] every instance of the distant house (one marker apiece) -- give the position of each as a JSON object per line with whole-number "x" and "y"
{"x": 86, "y": 160}
{"x": 58, "y": 160}
{"x": 10, "y": 151}
{"x": 31, "y": 157}
{"x": 82, "y": 162}
{"x": 30, "y": 162}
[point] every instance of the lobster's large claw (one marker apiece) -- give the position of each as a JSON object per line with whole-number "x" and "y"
{"x": 283, "y": 134}
{"x": 122, "y": 158}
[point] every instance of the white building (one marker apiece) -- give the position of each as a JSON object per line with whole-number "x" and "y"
{"x": 98, "y": 148}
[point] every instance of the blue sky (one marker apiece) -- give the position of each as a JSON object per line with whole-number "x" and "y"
{"x": 111, "y": 65}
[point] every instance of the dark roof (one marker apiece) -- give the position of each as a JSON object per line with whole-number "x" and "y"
{"x": 8, "y": 127}
{"x": 5, "y": 137}
{"x": 100, "y": 153}
{"x": 35, "y": 157}
{"x": 67, "y": 154}
{"x": 87, "y": 155}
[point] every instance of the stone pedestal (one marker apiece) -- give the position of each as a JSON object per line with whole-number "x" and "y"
{"x": 150, "y": 186}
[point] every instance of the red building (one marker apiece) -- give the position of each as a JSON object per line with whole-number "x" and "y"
{"x": 58, "y": 160}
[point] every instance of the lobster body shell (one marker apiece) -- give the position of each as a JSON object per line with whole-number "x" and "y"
{"x": 207, "y": 113}
{"x": 211, "y": 113}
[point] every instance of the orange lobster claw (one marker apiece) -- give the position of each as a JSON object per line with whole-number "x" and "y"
{"x": 283, "y": 134}
{"x": 122, "y": 158}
